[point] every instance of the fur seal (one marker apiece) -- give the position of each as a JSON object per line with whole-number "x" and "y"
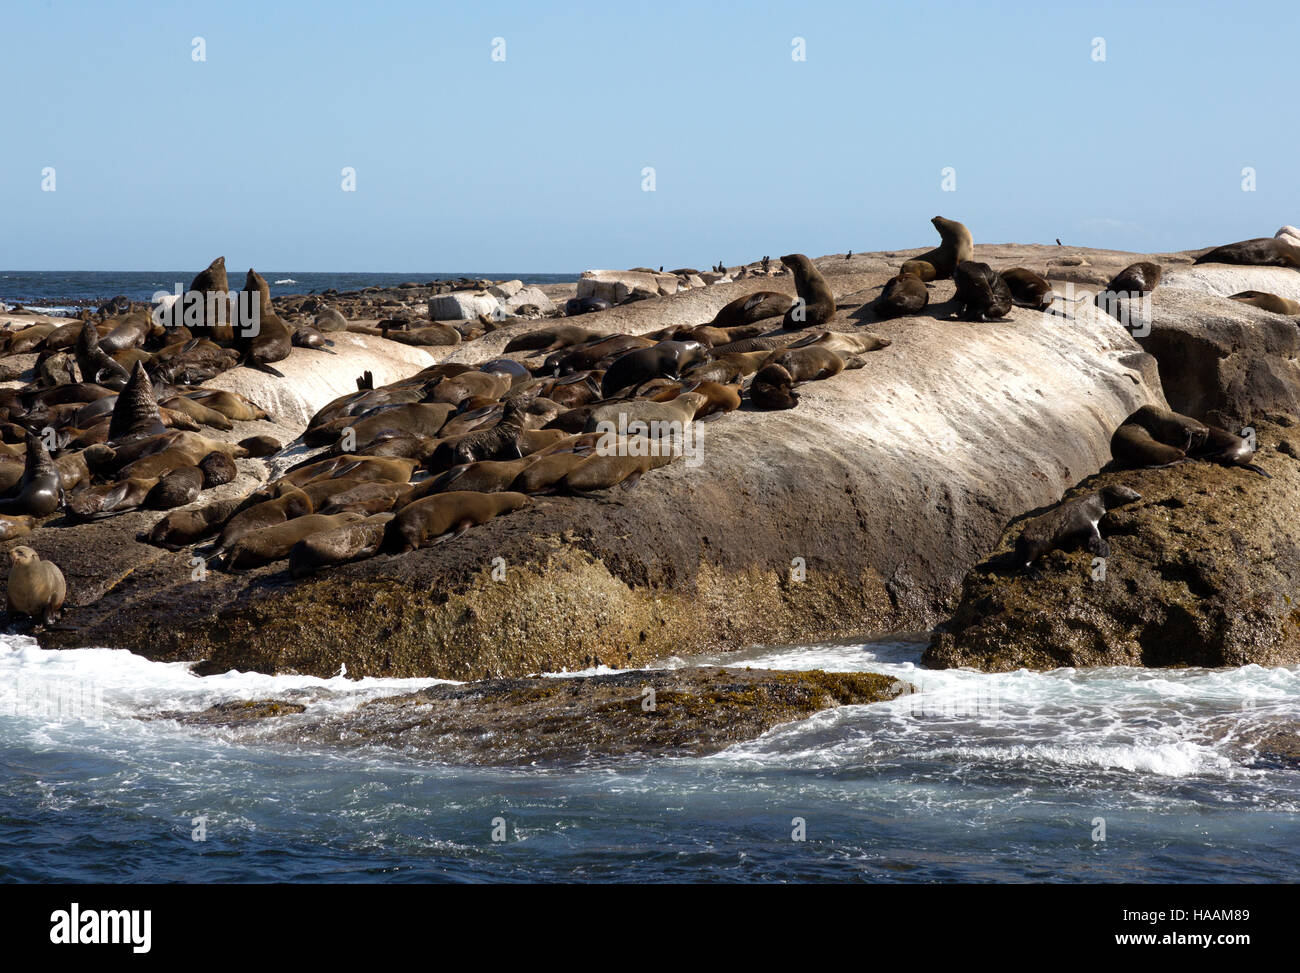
{"x": 751, "y": 308}
{"x": 547, "y": 471}
{"x": 136, "y": 411}
{"x": 904, "y": 294}
{"x": 102, "y": 500}
{"x": 217, "y": 469}
{"x": 956, "y": 248}
{"x": 258, "y": 446}
{"x": 1260, "y": 252}
{"x": 810, "y": 363}
{"x": 1134, "y": 281}
{"x": 1073, "y": 522}
{"x": 1028, "y": 289}
{"x": 665, "y": 359}
{"x": 373, "y": 497}
{"x": 1224, "y": 448}
{"x": 1171, "y": 428}
{"x": 232, "y": 405}
{"x": 177, "y": 489}
{"x": 854, "y": 343}
{"x": 816, "y": 304}
{"x": 772, "y": 389}
{"x": 273, "y": 341}
{"x": 40, "y": 491}
{"x": 273, "y": 543}
{"x": 432, "y": 519}
{"x": 550, "y": 339}
{"x": 290, "y": 504}
{"x": 196, "y": 411}
{"x": 36, "y": 587}
{"x": 919, "y": 268}
{"x": 1133, "y": 446}
{"x": 94, "y": 363}
{"x": 181, "y": 528}
{"x": 339, "y": 545}
{"x": 982, "y": 294}
{"x": 12, "y": 528}
{"x": 214, "y": 285}
{"x": 604, "y": 471}
{"x": 585, "y": 305}
{"x": 501, "y": 441}
{"x": 1268, "y": 302}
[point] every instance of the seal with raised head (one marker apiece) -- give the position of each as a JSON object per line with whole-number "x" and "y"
{"x": 95, "y": 364}
{"x": 982, "y": 294}
{"x": 1171, "y": 428}
{"x": 136, "y": 411}
{"x": 214, "y": 285}
{"x": 272, "y": 341}
{"x": 36, "y": 587}
{"x": 444, "y": 515}
{"x": 40, "y": 491}
{"x": 1261, "y": 252}
{"x": 1268, "y": 302}
{"x": 816, "y": 303}
{"x": 956, "y": 248}
{"x": 1072, "y": 523}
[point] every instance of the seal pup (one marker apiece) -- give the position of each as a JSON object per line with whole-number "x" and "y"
{"x": 443, "y": 515}
{"x": 903, "y": 294}
{"x": 1073, "y": 522}
{"x": 1028, "y": 289}
{"x": 217, "y": 468}
{"x": 1133, "y": 446}
{"x": 501, "y": 441}
{"x": 816, "y": 304}
{"x": 1268, "y": 302}
{"x": 772, "y": 389}
{"x": 982, "y": 294}
{"x": 919, "y": 268}
{"x": 36, "y": 587}
{"x": 1261, "y": 252}
{"x": 957, "y": 247}
{"x": 40, "y": 491}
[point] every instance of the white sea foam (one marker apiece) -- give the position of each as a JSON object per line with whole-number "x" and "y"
{"x": 287, "y": 280}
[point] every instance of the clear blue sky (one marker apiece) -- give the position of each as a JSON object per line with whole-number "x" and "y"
{"x": 534, "y": 163}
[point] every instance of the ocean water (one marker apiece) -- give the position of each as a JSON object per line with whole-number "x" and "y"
{"x": 976, "y": 777}
{"x": 54, "y": 288}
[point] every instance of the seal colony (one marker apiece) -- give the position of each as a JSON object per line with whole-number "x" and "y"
{"x": 564, "y": 412}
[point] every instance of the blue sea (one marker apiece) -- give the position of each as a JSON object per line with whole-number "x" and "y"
{"x": 1066, "y": 776}
{"x": 54, "y": 290}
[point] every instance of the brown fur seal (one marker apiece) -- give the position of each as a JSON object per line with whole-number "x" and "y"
{"x": 500, "y": 441}
{"x": 1261, "y": 252}
{"x": 606, "y": 471}
{"x": 1134, "y": 281}
{"x": 807, "y": 364}
{"x": 432, "y": 519}
{"x": 1224, "y": 448}
{"x": 181, "y": 528}
{"x": 1133, "y": 446}
{"x": 214, "y": 285}
{"x": 373, "y": 497}
{"x": 956, "y": 248}
{"x": 550, "y": 339}
{"x": 230, "y": 404}
{"x": 36, "y": 587}
{"x": 273, "y": 543}
{"x": 40, "y": 491}
{"x": 1268, "y": 302}
{"x": 177, "y": 489}
{"x": 261, "y": 445}
{"x": 136, "y": 411}
{"x": 751, "y": 308}
{"x": 12, "y": 528}
{"x": 816, "y": 304}
{"x": 291, "y": 504}
{"x": 217, "y": 468}
{"x": 350, "y": 542}
{"x": 94, "y": 363}
{"x": 106, "y": 499}
{"x": 273, "y": 341}
{"x": 919, "y": 268}
{"x": 1028, "y": 289}
{"x": 665, "y": 359}
{"x": 1073, "y": 522}
{"x": 1171, "y": 428}
{"x": 483, "y": 476}
{"x": 902, "y": 295}
{"x": 547, "y": 471}
{"x": 982, "y": 294}
{"x": 855, "y": 343}
{"x": 199, "y": 413}
{"x": 772, "y": 389}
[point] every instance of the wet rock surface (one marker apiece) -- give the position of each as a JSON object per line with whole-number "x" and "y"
{"x": 510, "y": 722}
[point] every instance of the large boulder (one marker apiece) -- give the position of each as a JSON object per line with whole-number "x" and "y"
{"x": 1202, "y": 571}
{"x": 462, "y": 306}
{"x": 1220, "y": 360}
{"x": 618, "y": 286}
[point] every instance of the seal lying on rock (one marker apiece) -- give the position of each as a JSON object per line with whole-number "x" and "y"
{"x": 1073, "y": 522}
{"x": 903, "y": 294}
{"x": 1028, "y": 289}
{"x": 1134, "y": 447}
{"x": 1171, "y": 428}
{"x": 350, "y": 542}
{"x": 772, "y": 389}
{"x": 36, "y": 587}
{"x": 434, "y": 518}
{"x": 1260, "y": 252}
{"x": 1224, "y": 448}
{"x": 1268, "y": 302}
{"x": 1134, "y": 281}
{"x": 751, "y": 308}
